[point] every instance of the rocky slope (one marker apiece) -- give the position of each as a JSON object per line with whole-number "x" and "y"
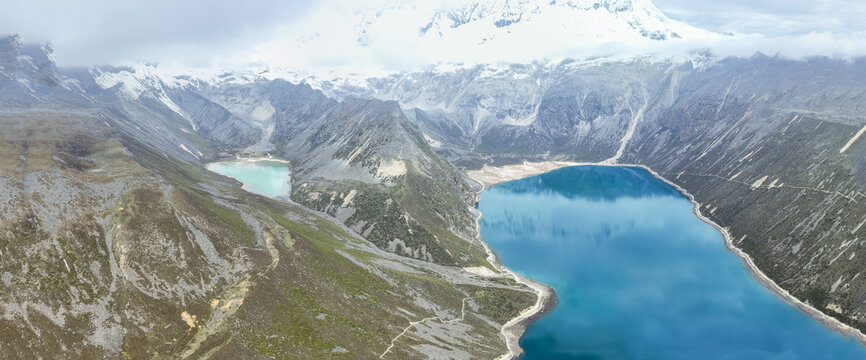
{"x": 582, "y": 109}
{"x": 117, "y": 242}
{"x": 365, "y": 163}
{"x": 368, "y": 165}
{"x": 766, "y": 146}
{"x": 361, "y": 161}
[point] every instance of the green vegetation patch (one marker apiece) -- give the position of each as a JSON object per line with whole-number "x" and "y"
{"x": 218, "y": 214}
{"x": 502, "y": 305}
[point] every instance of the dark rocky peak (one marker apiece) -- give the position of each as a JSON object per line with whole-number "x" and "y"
{"x": 39, "y": 59}
{"x": 10, "y": 46}
{"x": 29, "y": 61}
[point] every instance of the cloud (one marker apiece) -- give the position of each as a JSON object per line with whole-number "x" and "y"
{"x": 797, "y": 47}
{"x": 391, "y": 38}
{"x": 191, "y": 32}
{"x": 770, "y": 17}
{"x": 389, "y": 35}
{"x": 327, "y": 34}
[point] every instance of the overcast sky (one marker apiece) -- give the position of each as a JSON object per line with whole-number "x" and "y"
{"x": 193, "y": 32}
{"x": 203, "y": 33}
{"x": 770, "y": 17}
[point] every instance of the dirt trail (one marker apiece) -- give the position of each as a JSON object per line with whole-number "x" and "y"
{"x": 415, "y": 323}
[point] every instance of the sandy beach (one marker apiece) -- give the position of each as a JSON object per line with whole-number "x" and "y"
{"x": 514, "y": 329}
{"x": 263, "y": 158}
{"x": 236, "y": 159}
{"x": 489, "y": 176}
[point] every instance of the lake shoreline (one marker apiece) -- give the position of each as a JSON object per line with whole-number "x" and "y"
{"x": 254, "y": 159}
{"x": 490, "y": 176}
{"x": 546, "y": 296}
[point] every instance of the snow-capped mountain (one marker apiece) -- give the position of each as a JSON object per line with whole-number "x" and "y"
{"x": 492, "y": 30}
{"x": 28, "y": 66}
{"x": 575, "y": 18}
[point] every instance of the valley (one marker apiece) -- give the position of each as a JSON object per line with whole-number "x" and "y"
{"x": 118, "y": 235}
{"x": 150, "y": 211}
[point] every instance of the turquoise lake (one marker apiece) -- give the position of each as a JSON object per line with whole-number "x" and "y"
{"x": 638, "y": 275}
{"x": 268, "y": 178}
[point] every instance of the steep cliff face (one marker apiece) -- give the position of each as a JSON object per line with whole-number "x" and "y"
{"x": 212, "y": 121}
{"x": 528, "y": 111}
{"x": 281, "y": 109}
{"x": 176, "y": 102}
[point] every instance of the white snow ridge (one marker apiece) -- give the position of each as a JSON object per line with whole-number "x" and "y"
{"x": 489, "y": 31}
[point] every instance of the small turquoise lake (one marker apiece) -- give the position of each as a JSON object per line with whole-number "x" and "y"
{"x": 638, "y": 275}
{"x": 268, "y": 178}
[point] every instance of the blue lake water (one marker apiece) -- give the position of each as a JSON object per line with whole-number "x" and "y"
{"x": 268, "y": 178}
{"x": 638, "y": 275}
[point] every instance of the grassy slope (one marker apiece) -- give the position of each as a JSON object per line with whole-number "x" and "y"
{"x": 304, "y": 288}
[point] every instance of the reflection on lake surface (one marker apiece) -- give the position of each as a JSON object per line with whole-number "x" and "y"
{"x": 266, "y": 178}
{"x": 638, "y": 275}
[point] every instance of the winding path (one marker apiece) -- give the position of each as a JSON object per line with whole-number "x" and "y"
{"x": 414, "y": 323}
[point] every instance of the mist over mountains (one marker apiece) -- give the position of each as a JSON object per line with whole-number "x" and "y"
{"x": 391, "y": 35}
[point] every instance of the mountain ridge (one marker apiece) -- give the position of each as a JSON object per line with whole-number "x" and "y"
{"x": 118, "y": 242}
{"x": 489, "y": 31}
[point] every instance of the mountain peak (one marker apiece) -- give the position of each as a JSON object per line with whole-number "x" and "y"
{"x": 500, "y": 30}
{"x": 573, "y": 17}
{"x": 10, "y": 46}
{"x": 24, "y": 61}
{"x": 507, "y": 12}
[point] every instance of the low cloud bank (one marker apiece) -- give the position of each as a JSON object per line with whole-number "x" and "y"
{"x": 389, "y": 34}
